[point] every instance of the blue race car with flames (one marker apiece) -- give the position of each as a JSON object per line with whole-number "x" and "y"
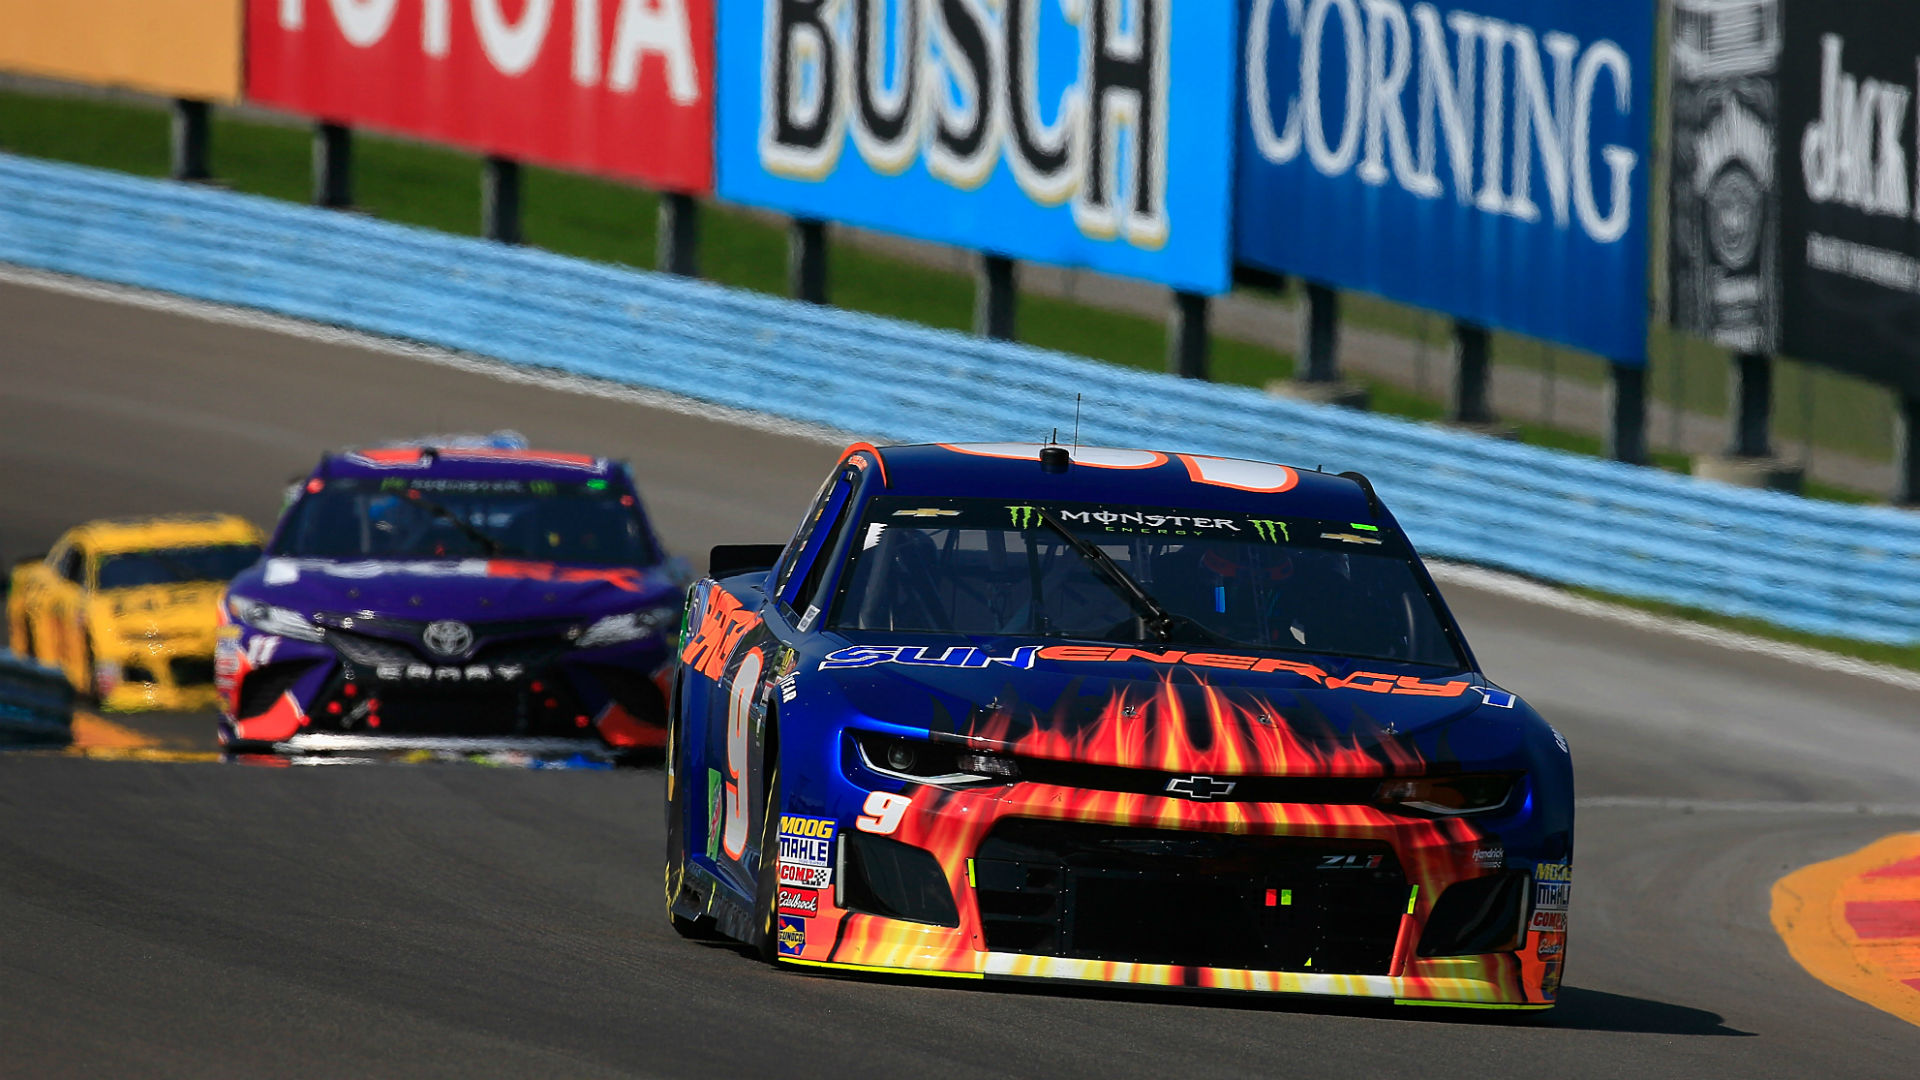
{"x": 1114, "y": 716}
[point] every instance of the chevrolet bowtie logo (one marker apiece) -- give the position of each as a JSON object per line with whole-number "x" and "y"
{"x": 1200, "y": 788}
{"x": 926, "y": 512}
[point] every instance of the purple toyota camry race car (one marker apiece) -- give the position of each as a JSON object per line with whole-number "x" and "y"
{"x": 453, "y": 598}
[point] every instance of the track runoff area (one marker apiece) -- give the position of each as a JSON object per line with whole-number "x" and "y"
{"x": 1749, "y": 900}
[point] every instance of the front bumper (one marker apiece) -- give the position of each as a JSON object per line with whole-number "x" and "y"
{"x": 170, "y": 675}
{"x": 1064, "y": 884}
{"x": 309, "y": 696}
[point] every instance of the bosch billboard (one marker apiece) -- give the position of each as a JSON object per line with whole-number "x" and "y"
{"x": 1488, "y": 160}
{"x": 618, "y": 87}
{"x": 1091, "y": 133}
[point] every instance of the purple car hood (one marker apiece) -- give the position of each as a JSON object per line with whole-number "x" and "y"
{"x": 471, "y": 590}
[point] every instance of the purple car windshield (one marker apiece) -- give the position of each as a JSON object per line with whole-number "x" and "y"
{"x": 588, "y": 524}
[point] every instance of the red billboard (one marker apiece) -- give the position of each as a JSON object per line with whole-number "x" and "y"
{"x": 618, "y": 87}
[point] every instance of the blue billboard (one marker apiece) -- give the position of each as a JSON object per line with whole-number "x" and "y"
{"x": 1489, "y": 160}
{"x": 1093, "y": 133}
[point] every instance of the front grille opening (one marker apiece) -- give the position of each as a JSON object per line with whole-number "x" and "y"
{"x": 636, "y": 692}
{"x": 191, "y": 670}
{"x": 1477, "y": 916}
{"x": 1195, "y": 899}
{"x": 263, "y": 686}
{"x": 899, "y": 881}
{"x": 1326, "y": 790}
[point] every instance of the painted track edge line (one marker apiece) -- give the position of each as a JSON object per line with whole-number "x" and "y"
{"x": 1519, "y": 588}
{"x": 1805, "y": 913}
{"x": 1453, "y": 573}
{"x": 498, "y": 370}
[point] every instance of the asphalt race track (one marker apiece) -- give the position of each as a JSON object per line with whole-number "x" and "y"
{"x": 201, "y": 920}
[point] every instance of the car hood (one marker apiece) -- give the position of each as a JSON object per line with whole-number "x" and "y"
{"x": 471, "y": 590}
{"x": 1153, "y": 709}
{"x": 159, "y": 608}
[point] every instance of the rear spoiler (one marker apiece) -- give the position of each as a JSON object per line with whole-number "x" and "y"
{"x": 732, "y": 560}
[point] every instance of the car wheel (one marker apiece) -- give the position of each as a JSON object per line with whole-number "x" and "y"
{"x": 700, "y": 927}
{"x": 91, "y": 688}
{"x": 766, "y": 894}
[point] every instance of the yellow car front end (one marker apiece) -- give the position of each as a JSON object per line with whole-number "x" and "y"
{"x": 153, "y": 646}
{"x": 129, "y": 608}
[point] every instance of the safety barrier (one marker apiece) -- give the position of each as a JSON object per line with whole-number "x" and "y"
{"x": 36, "y": 702}
{"x": 1819, "y": 567}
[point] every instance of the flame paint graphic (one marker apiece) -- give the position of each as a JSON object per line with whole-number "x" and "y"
{"x": 1220, "y": 734}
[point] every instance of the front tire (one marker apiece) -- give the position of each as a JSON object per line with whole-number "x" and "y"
{"x": 766, "y": 895}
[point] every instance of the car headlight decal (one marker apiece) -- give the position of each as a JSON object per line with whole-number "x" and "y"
{"x": 269, "y": 619}
{"x": 1448, "y": 796}
{"x": 627, "y": 626}
{"x": 924, "y": 762}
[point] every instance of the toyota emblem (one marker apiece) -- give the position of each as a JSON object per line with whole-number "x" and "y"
{"x": 448, "y": 638}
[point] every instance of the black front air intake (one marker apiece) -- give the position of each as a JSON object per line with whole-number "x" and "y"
{"x": 1158, "y": 896}
{"x": 899, "y": 881}
{"x": 263, "y": 686}
{"x": 1481, "y": 915}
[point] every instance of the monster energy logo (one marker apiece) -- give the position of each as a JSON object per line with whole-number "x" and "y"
{"x": 541, "y": 487}
{"x": 1271, "y": 531}
{"x": 1024, "y": 517}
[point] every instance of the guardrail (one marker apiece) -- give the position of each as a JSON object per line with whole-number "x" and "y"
{"x": 1819, "y": 567}
{"x": 36, "y": 702}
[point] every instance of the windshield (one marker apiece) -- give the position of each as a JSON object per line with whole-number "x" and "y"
{"x": 588, "y": 524}
{"x": 168, "y": 566}
{"x": 982, "y": 566}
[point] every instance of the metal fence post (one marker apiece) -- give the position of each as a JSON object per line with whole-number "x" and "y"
{"x": 500, "y": 200}
{"x": 1752, "y": 406}
{"x": 1472, "y": 348}
{"x": 1906, "y": 449}
{"x": 1627, "y": 405}
{"x": 192, "y": 132}
{"x": 807, "y": 260}
{"x": 1187, "y": 339}
{"x": 679, "y": 240}
{"x": 1320, "y": 336}
{"x": 332, "y": 165}
{"x": 996, "y": 294}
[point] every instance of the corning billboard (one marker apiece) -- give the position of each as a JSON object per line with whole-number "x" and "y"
{"x": 1489, "y": 160}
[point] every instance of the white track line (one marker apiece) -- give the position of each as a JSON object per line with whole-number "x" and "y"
{"x": 1472, "y": 577}
{"x": 1744, "y": 806}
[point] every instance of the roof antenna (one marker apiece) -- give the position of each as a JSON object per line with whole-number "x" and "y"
{"x": 1076, "y": 425}
{"x": 1054, "y": 439}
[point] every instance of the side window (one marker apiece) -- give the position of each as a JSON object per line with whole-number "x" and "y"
{"x": 815, "y": 537}
{"x": 72, "y": 565}
{"x": 810, "y": 592}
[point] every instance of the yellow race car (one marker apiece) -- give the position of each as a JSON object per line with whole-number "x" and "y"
{"x": 128, "y": 608}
